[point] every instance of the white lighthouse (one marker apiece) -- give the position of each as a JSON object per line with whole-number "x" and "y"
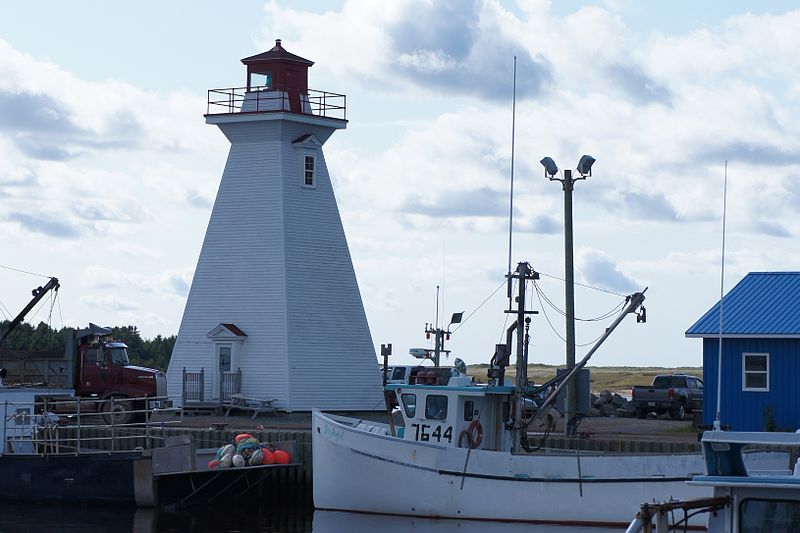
{"x": 274, "y": 310}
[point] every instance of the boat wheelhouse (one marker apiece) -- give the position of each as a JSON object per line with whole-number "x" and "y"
{"x": 755, "y": 478}
{"x": 460, "y": 414}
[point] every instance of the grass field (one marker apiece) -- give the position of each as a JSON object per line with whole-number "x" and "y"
{"x": 613, "y": 378}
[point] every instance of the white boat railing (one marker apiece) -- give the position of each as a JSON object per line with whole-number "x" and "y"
{"x": 56, "y": 426}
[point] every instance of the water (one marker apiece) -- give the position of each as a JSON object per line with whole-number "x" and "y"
{"x": 263, "y": 518}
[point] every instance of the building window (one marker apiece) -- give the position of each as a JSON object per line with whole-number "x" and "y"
{"x": 308, "y": 171}
{"x": 755, "y": 371}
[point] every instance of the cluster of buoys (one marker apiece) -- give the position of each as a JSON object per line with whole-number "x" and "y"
{"x": 247, "y": 451}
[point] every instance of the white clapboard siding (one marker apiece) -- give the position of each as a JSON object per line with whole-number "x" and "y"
{"x": 275, "y": 263}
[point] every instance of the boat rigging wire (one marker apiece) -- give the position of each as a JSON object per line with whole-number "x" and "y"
{"x": 584, "y": 285}
{"x": 60, "y": 314}
{"x": 23, "y": 271}
{"x": 557, "y": 334}
{"x": 604, "y": 316}
{"x": 479, "y": 306}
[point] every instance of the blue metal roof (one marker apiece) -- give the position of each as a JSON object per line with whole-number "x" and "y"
{"x": 761, "y": 304}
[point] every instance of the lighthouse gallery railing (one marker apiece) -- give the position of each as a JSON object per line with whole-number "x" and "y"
{"x": 275, "y": 99}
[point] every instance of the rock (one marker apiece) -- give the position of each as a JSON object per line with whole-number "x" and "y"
{"x": 598, "y": 402}
{"x": 664, "y": 416}
{"x": 607, "y": 409}
{"x": 624, "y": 413}
{"x": 603, "y": 398}
{"x": 594, "y": 412}
{"x": 618, "y": 401}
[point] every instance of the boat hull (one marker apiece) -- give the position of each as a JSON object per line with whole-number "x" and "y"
{"x": 356, "y": 470}
{"x": 90, "y": 478}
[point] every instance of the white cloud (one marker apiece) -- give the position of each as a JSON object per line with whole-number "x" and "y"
{"x": 116, "y": 182}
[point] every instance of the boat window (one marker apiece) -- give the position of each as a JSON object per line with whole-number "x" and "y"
{"x": 436, "y": 407}
{"x": 410, "y": 404}
{"x": 398, "y": 373}
{"x": 469, "y": 407}
{"x": 755, "y": 370}
{"x": 757, "y": 515}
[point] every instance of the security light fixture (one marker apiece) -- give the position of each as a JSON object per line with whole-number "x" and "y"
{"x": 585, "y": 165}
{"x": 550, "y": 167}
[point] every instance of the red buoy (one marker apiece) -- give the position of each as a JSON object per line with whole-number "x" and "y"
{"x": 213, "y": 464}
{"x": 269, "y": 458}
{"x": 281, "y": 457}
{"x": 241, "y": 437}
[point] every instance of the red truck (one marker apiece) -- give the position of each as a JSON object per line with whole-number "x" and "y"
{"x": 93, "y": 364}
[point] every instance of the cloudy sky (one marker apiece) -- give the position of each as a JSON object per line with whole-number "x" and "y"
{"x": 108, "y": 172}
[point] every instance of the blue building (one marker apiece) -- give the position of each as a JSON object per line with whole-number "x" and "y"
{"x": 760, "y": 353}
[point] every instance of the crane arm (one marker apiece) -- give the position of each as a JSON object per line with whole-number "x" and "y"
{"x": 38, "y": 293}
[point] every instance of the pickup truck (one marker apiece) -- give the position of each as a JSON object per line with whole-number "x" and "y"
{"x": 675, "y": 394}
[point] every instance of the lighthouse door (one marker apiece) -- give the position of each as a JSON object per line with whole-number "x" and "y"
{"x": 222, "y": 370}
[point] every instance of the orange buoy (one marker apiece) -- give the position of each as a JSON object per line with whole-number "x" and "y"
{"x": 269, "y": 457}
{"x": 213, "y": 464}
{"x": 281, "y": 457}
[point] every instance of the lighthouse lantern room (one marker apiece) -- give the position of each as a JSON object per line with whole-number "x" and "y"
{"x": 274, "y": 311}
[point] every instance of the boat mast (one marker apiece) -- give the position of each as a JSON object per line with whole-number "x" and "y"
{"x": 523, "y": 274}
{"x": 717, "y": 418}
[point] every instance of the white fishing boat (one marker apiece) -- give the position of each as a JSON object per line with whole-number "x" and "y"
{"x": 757, "y": 493}
{"x": 463, "y": 450}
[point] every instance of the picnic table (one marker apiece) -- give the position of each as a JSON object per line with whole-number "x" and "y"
{"x": 247, "y": 403}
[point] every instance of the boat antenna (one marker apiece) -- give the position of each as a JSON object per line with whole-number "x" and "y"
{"x": 436, "y": 322}
{"x": 511, "y": 192}
{"x": 717, "y": 423}
{"x": 444, "y": 277}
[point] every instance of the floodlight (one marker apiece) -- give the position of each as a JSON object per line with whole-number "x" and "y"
{"x": 550, "y": 168}
{"x": 456, "y": 319}
{"x": 585, "y": 165}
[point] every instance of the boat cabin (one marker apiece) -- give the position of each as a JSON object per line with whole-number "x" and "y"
{"x": 24, "y": 416}
{"x": 751, "y": 494}
{"x": 457, "y": 414}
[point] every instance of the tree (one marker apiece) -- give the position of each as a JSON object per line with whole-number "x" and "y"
{"x": 153, "y": 353}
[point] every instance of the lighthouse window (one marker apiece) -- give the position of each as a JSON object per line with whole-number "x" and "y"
{"x": 261, "y": 80}
{"x": 308, "y": 171}
{"x": 755, "y": 368}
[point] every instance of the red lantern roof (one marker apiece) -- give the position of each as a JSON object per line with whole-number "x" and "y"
{"x": 276, "y": 52}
